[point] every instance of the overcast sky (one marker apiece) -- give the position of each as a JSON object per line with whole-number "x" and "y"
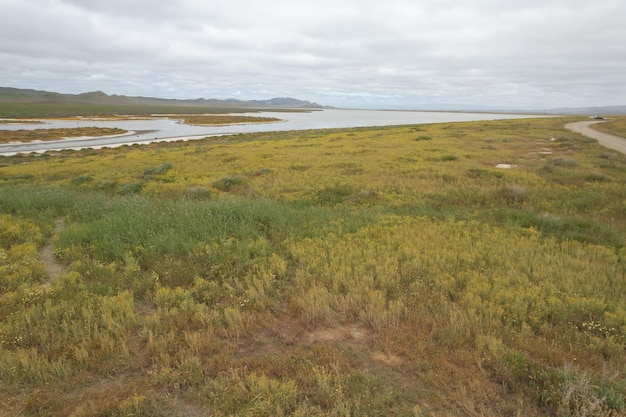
{"x": 409, "y": 54}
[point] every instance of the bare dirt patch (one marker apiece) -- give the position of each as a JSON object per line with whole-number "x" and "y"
{"x": 46, "y": 254}
{"x": 388, "y": 359}
{"x": 350, "y": 334}
{"x": 291, "y": 333}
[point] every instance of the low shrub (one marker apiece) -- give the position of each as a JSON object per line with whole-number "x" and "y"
{"x": 334, "y": 195}
{"x": 18, "y": 177}
{"x": 563, "y": 161}
{"x": 157, "y": 170}
{"x": 131, "y": 188}
{"x": 198, "y": 193}
{"x": 449, "y": 158}
{"x": 597, "y": 176}
{"x": 83, "y": 179}
{"x": 229, "y": 183}
{"x": 512, "y": 194}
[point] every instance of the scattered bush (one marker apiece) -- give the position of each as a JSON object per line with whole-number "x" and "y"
{"x": 18, "y": 177}
{"x": 597, "y": 176}
{"x": 131, "y": 188}
{"x": 563, "y": 161}
{"x": 483, "y": 173}
{"x": 154, "y": 172}
{"x": 300, "y": 167}
{"x": 229, "y": 183}
{"x": 363, "y": 197}
{"x": 579, "y": 396}
{"x": 334, "y": 195}
{"x": 448, "y": 158}
{"x": 83, "y": 179}
{"x": 198, "y": 193}
{"x": 513, "y": 194}
{"x": 261, "y": 171}
{"x": 609, "y": 156}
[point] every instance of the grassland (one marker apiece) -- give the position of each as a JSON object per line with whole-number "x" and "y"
{"x": 28, "y": 135}
{"x": 372, "y": 271}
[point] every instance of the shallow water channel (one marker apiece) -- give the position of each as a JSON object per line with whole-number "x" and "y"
{"x": 157, "y": 129}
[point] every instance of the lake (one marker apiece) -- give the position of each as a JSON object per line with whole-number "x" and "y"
{"x": 153, "y": 130}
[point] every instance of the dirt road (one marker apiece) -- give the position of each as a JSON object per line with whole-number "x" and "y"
{"x": 609, "y": 141}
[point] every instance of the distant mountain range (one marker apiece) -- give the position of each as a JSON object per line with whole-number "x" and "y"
{"x": 26, "y": 96}
{"x": 18, "y": 95}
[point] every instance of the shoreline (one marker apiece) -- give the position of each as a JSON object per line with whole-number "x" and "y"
{"x": 166, "y": 129}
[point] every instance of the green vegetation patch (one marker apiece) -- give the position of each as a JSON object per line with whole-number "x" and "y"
{"x": 226, "y": 119}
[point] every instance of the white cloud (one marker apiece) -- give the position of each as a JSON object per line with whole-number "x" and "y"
{"x": 398, "y": 53}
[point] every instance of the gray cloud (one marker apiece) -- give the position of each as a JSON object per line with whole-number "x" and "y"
{"x": 398, "y": 53}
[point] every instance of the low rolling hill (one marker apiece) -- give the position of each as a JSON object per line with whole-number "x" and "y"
{"x": 15, "y": 102}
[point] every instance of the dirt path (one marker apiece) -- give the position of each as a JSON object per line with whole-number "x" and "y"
{"x": 53, "y": 267}
{"x": 608, "y": 141}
